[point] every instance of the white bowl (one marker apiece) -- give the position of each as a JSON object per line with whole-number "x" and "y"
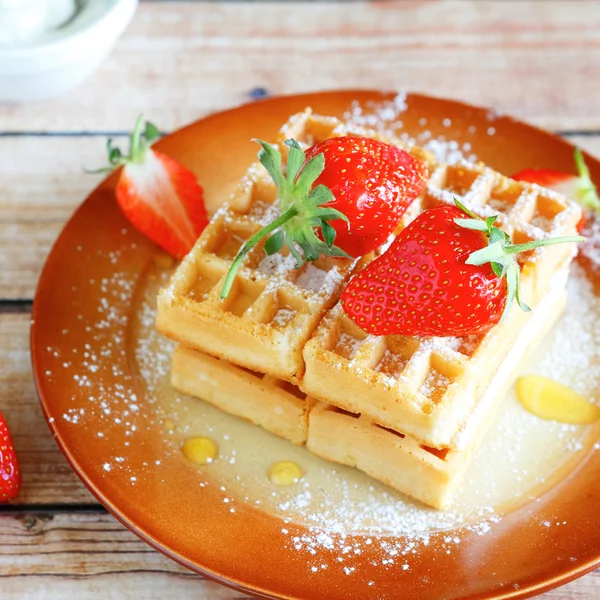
{"x": 63, "y": 58}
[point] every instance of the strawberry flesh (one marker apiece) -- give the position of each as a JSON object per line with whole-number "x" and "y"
{"x": 163, "y": 201}
{"x": 158, "y": 195}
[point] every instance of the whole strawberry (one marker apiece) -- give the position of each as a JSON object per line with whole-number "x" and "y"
{"x": 348, "y": 190}
{"x": 444, "y": 275}
{"x": 373, "y": 184}
{"x": 10, "y": 474}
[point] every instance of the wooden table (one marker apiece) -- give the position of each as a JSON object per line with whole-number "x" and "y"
{"x": 178, "y": 61}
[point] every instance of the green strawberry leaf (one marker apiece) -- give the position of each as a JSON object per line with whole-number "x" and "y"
{"x": 588, "y": 192}
{"x": 500, "y": 253}
{"x": 328, "y": 233}
{"x": 275, "y": 243}
{"x": 151, "y": 133}
{"x": 295, "y": 160}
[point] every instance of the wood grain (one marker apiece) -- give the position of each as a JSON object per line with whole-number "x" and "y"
{"x": 89, "y": 556}
{"x": 181, "y": 60}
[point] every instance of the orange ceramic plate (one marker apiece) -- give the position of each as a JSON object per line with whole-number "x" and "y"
{"x": 247, "y": 549}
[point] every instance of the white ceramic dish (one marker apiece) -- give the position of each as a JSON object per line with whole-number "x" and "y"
{"x": 64, "y": 57}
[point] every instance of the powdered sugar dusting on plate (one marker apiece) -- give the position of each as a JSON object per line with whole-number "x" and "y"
{"x": 386, "y": 117}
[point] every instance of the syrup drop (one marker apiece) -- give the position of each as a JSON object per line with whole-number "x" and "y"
{"x": 554, "y": 401}
{"x": 200, "y": 450}
{"x": 284, "y": 473}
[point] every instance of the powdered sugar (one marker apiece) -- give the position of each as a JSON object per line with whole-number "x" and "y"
{"x": 386, "y": 117}
{"x": 347, "y": 345}
{"x": 312, "y": 278}
{"x": 264, "y": 213}
{"x": 434, "y": 383}
{"x": 283, "y": 317}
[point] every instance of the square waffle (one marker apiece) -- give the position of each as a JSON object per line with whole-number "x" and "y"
{"x": 272, "y": 308}
{"x": 427, "y": 387}
{"x": 398, "y": 460}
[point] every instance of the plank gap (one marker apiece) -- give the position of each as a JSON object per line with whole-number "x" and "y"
{"x": 15, "y": 305}
{"x": 21, "y": 509}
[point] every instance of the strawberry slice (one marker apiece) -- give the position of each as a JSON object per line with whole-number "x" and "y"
{"x": 578, "y": 188}
{"x": 10, "y": 474}
{"x": 158, "y": 195}
{"x": 443, "y": 275}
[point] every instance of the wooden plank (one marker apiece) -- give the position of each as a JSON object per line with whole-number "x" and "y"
{"x": 92, "y": 556}
{"x": 47, "y": 477}
{"x": 43, "y": 178}
{"x": 89, "y": 556}
{"x": 37, "y": 198}
{"x": 23, "y": 251}
{"x": 122, "y": 586}
{"x": 180, "y": 60}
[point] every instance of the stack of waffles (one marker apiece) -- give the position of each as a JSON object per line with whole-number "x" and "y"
{"x": 280, "y": 352}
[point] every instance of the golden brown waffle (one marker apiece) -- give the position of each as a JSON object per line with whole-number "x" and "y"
{"x": 428, "y": 475}
{"x": 272, "y": 308}
{"x": 424, "y": 473}
{"x": 274, "y": 404}
{"x": 428, "y": 387}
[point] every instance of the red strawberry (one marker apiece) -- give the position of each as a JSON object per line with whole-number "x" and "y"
{"x": 373, "y": 184}
{"x": 366, "y": 183}
{"x": 579, "y": 188}
{"x": 444, "y": 275}
{"x": 159, "y": 196}
{"x": 10, "y": 474}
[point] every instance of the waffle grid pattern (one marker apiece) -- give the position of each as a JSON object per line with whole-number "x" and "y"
{"x": 427, "y": 388}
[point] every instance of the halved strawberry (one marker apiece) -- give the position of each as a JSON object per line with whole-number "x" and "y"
{"x": 159, "y": 196}
{"x": 578, "y": 188}
{"x": 10, "y": 474}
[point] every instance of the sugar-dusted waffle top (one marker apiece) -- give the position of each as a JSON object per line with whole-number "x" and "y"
{"x": 428, "y": 387}
{"x": 272, "y": 308}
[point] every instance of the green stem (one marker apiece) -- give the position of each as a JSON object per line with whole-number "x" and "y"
{"x": 539, "y": 243}
{"x": 249, "y": 244}
{"x": 135, "y": 142}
